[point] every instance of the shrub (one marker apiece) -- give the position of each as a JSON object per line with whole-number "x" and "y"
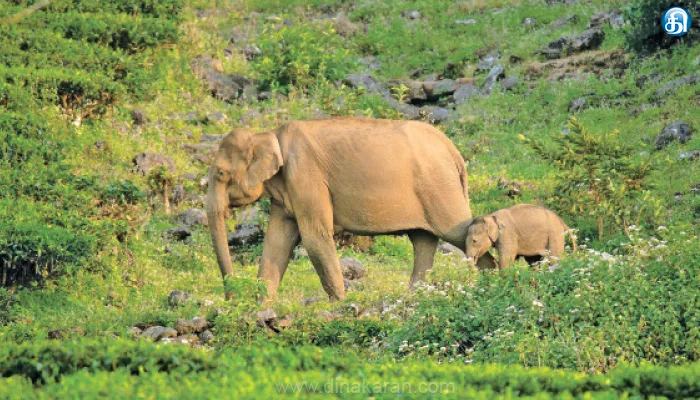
{"x": 591, "y": 312}
{"x": 301, "y": 56}
{"x": 599, "y": 177}
{"x": 645, "y": 33}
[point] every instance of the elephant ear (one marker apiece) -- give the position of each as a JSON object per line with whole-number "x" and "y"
{"x": 495, "y": 229}
{"x": 264, "y": 159}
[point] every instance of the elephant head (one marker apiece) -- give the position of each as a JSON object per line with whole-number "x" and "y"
{"x": 243, "y": 162}
{"x": 482, "y": 234}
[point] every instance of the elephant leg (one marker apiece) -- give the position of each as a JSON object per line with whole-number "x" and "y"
{"x": 281, "y": 238}
{"x": 317, "y": 239}
{"x": 424, "y": 246}
{"x": 506, "y": 255}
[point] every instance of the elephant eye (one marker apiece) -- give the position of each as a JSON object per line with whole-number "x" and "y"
{"x": 221, "y": 174}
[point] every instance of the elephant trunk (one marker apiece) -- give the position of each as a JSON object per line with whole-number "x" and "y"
{"x": 217, "y": 206}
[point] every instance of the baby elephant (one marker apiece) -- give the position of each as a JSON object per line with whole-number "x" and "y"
{"x": 526, "y": 230}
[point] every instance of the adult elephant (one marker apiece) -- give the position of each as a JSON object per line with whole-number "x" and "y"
{"x": 359, "y": 175}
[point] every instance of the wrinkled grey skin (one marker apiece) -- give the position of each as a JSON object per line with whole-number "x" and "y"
{"x": 524, "y": 230}
{"x": 358, "y": 175}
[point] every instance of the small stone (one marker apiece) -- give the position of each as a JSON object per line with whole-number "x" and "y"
{"x": 100, "y": 145}
{"x": 157, "y": 333}
{"x": 193, "y": 217}
{"x": 510, "y": 83}
{"x": 206, "y": 337}
{"x": 465, "y": 92}
{"x": 145, "y": 162}
{"x": 577, "y": 104}
{"x": 309, "y": 301}
{"x": 266, "y": 318}
{"x": 134, "y": 331}
{"x": 690, "y": 155}
{"x": 352, "y": 268}
{"x": 675, "y": 131}
{"x": 177, "y": 298}
{"x": 529, "y": 22}
{"x": 496, "y": 74}
{"x": 470, "y": 21}
{"x": 180, "y": 233}
{"x": 437, "y": 115}
{"x": 488, "y": 61}
{"x": 413, "y": 14}
{"x": 139, "y": 116}
{"x": 194, "y": 325}
{"x": 437, "y": 89}
{"x": 216, "y": 118}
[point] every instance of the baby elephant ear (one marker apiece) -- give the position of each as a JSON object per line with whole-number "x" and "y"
{"x": 265, "y": 159}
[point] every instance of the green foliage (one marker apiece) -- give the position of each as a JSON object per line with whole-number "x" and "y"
{"x": 351, "y": 332}
{"x": 7, "y": 299}
{"x": 123, "y": 192}
{"x": 48, "y": 362}
{"x": 591, "y": 312}
{"x": 598, "y": 177}
{"x": 645, "y": 33}
{"x": 302, "y": 56}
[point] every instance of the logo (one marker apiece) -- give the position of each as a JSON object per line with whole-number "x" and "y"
{"x": 676, "y": 21}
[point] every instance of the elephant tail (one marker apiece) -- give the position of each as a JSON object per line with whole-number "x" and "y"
{"x": 464, "y": 178}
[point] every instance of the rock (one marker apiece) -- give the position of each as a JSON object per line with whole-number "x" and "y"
{"x": 250, "y": 51}
{"x": 180, "y": 233}
{"x": 436, "y": 115}
{"x": 193, "y": 216}
{"x": 100, "y": 145}
{"x": 216, "y": 118}
{"x": 206, "y": 337}
{"x": 65, "y": 333}
{"x": 187, "y": 340}
{"x": 465, "y": 92}
{"x": 352, "y": 268}
{"x": 366, "y": 81}
{"x": 344, "y": 27}
{"x": 569, "y": 19}
{"x": 488, "y": 61}
{"x": 194, "y": 325}
{"x": 202, "y": 64}
{"x": 653, "y": 77}
{"x": 409, "y": 112}
{"x": 589, "y": 39}
{"x": 690, "y": 155}
{"x": 179, "y": 194}
{"x": 513, "y": 59}
{"x": 415, "y": 91}
{"x": 249, "y": 229}
{"x": 413, "y": 14}
{"x": 326, "y": 315}
{"x": 266, "y": 318}
{"x": 157, "y": 333}
{"x": 671, "y": 87}
{"x": 465, "y": 21}
{"x": 497, "y": 73}
{"x": 139, "y": 116}
{"x": 675, "y": 131}
{"x": 436, "y": 89}
{"x": 510, "y": 83}
{"x": 529, "y": 22}
{"x": 177, "y": 298}
{"x": 309, "y": 301}
{"x": 145, "y": 162}
{"x": 577, "y": 104}
{"x": 612, "y": 17}
{"x": 134, "y": 331}
{"x": 416, "y": 73}
{"x": 512, "y": 189}
{"x": 211, "y": 138}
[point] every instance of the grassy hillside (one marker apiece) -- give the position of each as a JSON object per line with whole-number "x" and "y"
{"x": 90, "y": 261}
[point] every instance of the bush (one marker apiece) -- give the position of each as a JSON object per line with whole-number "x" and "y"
{"x": 49, "y": 361}
{"x": 645, "y": 33}
{"x": 302, "y": 56}
{"x": 598, "y": 177}
{"x": 591, "y": 312}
